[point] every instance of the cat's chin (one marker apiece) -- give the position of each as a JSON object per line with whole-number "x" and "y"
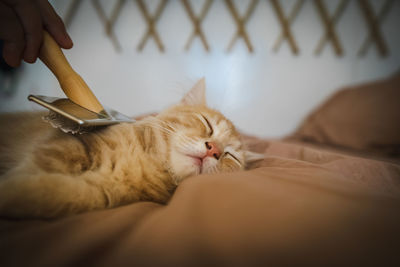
{"x": 204, "y": 165}
{"x": 209, "y": 165}
{"x": 195, "y": 164}
{"x": 184, "y": 165}
{"x": 196, "y": 160}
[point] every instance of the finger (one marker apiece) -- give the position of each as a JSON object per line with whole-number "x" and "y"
{"x": 12, "y": 53}
{"x": 12, "y": 33}
{"x": 31, "y": 21}
{"x": 54, "y": 24}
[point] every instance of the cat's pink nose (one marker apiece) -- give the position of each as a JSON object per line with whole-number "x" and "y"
{"x": 212, "y": 150}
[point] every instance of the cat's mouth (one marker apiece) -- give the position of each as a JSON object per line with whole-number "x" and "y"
{"x": 198, "y": 161}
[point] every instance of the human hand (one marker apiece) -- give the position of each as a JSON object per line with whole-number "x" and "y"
{"x": 21, "y": 29}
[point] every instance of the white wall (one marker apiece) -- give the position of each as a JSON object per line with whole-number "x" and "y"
{"x": 264, "y": 93}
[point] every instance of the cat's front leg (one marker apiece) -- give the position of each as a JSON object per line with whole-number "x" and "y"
{"x": 46, "y": 195}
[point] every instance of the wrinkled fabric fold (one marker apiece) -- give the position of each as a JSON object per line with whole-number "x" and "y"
{"x": 301, "y": 205}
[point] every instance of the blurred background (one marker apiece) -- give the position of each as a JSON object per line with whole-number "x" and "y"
{"x": 267, "y": 63}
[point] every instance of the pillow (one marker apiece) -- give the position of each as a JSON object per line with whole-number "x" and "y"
{"x": 364, "y": 117}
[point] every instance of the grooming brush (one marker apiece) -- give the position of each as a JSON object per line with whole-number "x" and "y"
{"x": 80, "y": 112}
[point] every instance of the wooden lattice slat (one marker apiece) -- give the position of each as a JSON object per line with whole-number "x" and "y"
{"x": 196, "y": 21}
{"x": 373, "y": 19}
{"x": 108, "y": 23}
{"x": 70, "y": 14}
{"x": 151, "y": 22}
{"x": 373, "y": 23}
{"x": 240, "y": 23}
{"x": 329, "y": 24}
{"x": 285, "y": 24}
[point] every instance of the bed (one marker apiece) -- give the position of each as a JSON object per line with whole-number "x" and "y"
{"x": 329, "y": 194}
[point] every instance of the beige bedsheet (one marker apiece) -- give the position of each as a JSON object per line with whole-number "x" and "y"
{"x": 301, "y": 205}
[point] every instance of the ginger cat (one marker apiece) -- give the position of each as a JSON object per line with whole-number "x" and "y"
{"x": 46, "y": 173}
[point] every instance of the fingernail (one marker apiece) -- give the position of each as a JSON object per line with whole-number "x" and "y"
{"x": 69, "y": 40}
{"x": 29, "y": 56}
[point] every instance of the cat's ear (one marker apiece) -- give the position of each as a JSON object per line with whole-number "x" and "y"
{"x": 253, "y": 156}
{"x": 196, "y": 95}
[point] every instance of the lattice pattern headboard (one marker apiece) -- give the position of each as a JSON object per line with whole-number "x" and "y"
{"x": 373, "y": 21}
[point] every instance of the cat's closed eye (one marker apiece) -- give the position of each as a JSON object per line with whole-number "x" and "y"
{"x": 232, "y": 156}
{"x": 211, "y": 130}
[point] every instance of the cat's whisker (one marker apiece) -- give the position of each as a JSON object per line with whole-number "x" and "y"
{"x": 191, "y": 144}
{"x": 185, "y": 138}
{"x": 187, "y": 145}
{"x": 213, "y": 169}
{"x": 167, "y": 131}
{"x": 187, "y": 142}
{"x": 167, "y": 124}
{"x": 171, "y": 126}
{"x": 225, "y": 133}
{"x": 160, "y": 127}
{"x": 161, "y": 123}
{"x": 176, "y": 131}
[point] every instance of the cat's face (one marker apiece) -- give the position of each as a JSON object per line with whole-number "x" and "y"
{"x": 201, "y": 140}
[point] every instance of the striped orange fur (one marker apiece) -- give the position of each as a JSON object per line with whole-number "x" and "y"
{"x": 46, "y": 173}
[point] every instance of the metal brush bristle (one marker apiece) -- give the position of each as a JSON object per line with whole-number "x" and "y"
{"x": 64, "y": 124}
{"x": 72, "y": 118}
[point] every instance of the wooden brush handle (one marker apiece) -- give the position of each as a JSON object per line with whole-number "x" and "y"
{"x": 71, "y": 83}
